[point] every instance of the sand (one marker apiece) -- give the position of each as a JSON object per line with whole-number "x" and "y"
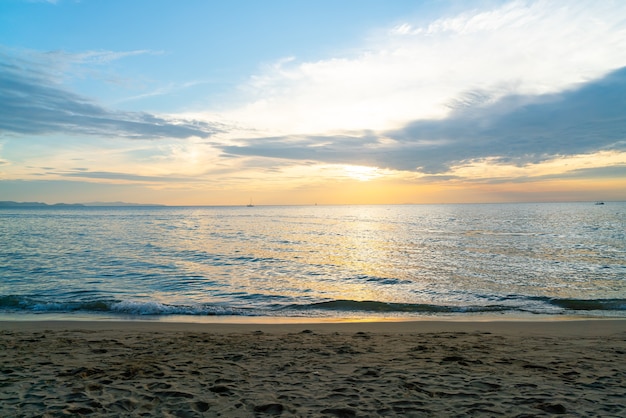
{"x": 574, "y": 368}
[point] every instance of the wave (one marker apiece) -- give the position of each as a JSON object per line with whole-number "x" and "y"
{"x": 17, "y": 304}
{"x": 390, "y": 307}
{"x": 157, "y": 308}
{"x": 123, "y": 307}
{"x": 590, "y": 304}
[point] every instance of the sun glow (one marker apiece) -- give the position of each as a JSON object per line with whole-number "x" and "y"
{"x": 362, "y": 173}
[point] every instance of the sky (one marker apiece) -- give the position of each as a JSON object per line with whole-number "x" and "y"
{"x": 201, "y": 102}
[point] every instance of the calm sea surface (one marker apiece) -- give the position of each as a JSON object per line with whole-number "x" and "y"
{"x": 507, "y": 260}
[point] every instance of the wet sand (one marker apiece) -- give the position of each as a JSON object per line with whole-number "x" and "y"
{"x": 429, "y": 368}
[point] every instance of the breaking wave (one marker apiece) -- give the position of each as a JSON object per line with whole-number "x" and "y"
{"x": 374, "y": 306}
{"x": 124, "y": 307}
{"x": 17, "y": 304}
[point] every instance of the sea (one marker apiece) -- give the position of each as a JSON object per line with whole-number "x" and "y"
{"x": 328, "y": 263}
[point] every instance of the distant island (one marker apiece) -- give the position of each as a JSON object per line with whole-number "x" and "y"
{"x": 9, "y": 203}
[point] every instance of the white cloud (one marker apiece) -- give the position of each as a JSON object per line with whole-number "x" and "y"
{"x": 96, "y": 57}
{"x": 418, "y": 71}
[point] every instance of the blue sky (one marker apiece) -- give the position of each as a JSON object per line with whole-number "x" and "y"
{"x": 165, "y": 46}
{"x": 293, "y": 102}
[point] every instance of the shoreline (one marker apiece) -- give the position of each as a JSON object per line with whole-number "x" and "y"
{"x": 280, "y": 319}
{"x": 555, "y": 327}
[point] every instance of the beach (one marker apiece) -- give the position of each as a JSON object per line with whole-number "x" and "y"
{"x": 350, "y": 369}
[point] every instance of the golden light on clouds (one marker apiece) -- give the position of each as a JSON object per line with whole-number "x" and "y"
{"x": 490, "y": 168}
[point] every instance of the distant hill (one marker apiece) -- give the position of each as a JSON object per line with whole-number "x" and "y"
{"x": 8, "y": 203}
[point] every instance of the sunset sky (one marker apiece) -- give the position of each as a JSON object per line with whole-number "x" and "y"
{"x": 202, "y": 102}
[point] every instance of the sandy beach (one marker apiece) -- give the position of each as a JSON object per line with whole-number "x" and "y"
{"x": 80, "y": 368}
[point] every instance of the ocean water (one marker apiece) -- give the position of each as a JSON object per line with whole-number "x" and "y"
{"x": 359, "y": 262}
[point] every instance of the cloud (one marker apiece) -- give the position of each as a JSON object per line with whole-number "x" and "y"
{"x": 95, "y": 57}
{"x": 127, "y": 177}
{"x": 31, "y": 103}
{"x": 618, "y": 171}
{"x": 524, "y": 128}
{"x": 517, "y": 129}
{"x": 335, "y": 149}
{"x": 416, "y": 70}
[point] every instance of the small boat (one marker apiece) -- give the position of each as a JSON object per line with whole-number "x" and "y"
{"x": 250, "y": 205}
{"x": 599, "y": 203}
